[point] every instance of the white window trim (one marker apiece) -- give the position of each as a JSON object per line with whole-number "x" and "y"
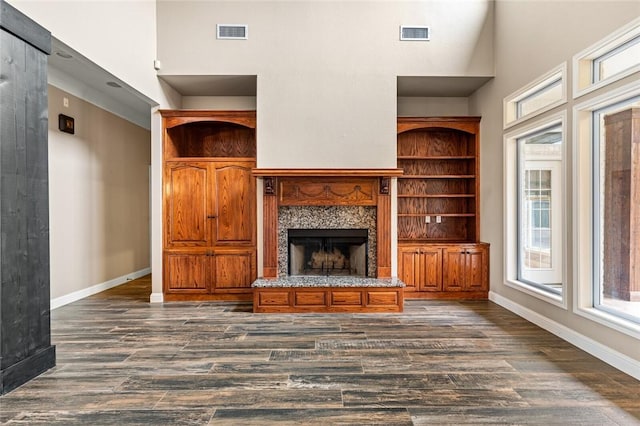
{"x": 583, "y": 297}
{"x": 583, "y": 61}
{"x": 510, "y": 200}
{"x": 509, "y": 104}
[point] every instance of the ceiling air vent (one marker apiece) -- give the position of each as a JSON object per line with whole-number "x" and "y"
{"x": 233, "y": 31}
{"x": 414, "y": 33}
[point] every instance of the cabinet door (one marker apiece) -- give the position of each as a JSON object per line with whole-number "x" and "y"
{"x": 465, "y": 268}
{"x": 234, "y": 270}
{"x": 430, "y": 269}
{"x": 476, "y": 278}
{"x": 235, "y": 204}
{"x": 187, "y": 272}
{"x": 454, "y": 269}
{"x": 409, "y": 267}
{"x": 187, "y": 205}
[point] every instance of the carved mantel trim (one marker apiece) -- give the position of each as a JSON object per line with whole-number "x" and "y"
{"x": 384, "y": 185}
{"x": 321, "y": 191}
{"x": 269, "y": 185}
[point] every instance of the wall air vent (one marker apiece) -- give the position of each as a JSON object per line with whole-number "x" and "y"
{"x": 414, "y": 33}
{"x": 232, "y": 31}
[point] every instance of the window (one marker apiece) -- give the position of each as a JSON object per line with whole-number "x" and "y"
{"x": 607, "y": 246}
{"x": 616, "y": 61}
{"x": 547, "y": 95}
{"x": 543, "y": 94}
{"x": 540, "y": 212}
{"x": 616, "y": 208}
{"x": 609, "y": 60}
{"x": 534, "y": 194}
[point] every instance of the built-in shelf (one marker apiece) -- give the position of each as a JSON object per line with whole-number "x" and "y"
{"x": 439, "y": 255}
{"x": 439, "y": 157}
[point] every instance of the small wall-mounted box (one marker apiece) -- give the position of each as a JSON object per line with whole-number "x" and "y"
{"x": 66, "y": 124}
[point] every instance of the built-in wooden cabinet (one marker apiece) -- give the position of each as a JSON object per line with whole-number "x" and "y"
{"x": 465, "y": 267}
{"x": 420, "y": 267}
{"x": 439, "y": 253}
{"x": 209, "y": 204}
{"x": 209, "y": 271}
{"x": 452, "y": 270}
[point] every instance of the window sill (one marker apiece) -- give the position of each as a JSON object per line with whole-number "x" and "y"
{"x": 607, "y": 319}
{"x": 554, "y": 299}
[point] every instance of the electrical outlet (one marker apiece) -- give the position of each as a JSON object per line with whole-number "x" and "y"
{"x": 427, "y": 219}
{"x": 438, "y": 219}
{"x": 65, "y": 102}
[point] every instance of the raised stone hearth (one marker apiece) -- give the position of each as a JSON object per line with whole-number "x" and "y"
{"x": 328, "y": 294}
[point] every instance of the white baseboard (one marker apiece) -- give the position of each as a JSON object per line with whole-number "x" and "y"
{"x": 89, "y": 291}
{"x": 156, "y": 298}
{"x": 605, "y": 353}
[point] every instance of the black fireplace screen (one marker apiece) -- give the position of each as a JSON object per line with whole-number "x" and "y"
{"x": 328, "y": 252}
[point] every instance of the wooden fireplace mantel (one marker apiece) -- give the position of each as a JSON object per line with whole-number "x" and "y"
{"x": 326, "y": 187}
{"x": 261, "y": 172}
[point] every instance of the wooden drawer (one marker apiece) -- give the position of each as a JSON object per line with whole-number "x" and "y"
{"x": 310, "y": 298}
{"x": 274, "y": 298}
{"x": 382, "y": 298}
{"x": 346, "y": 298}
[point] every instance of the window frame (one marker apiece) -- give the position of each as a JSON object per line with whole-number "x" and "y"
{"x": 584, "y": 61}
{"x": 511, "y": 103}
{"x": 512, "y": 209}
{"x": 584, "y": 296}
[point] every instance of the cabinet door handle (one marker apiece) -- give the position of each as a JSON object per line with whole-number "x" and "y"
{"x": 212, "y": 216}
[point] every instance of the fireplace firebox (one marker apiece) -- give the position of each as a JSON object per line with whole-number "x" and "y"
{"x": 335, "y": 252}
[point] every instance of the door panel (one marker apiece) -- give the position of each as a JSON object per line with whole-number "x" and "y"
{"x": 235, "y": 200}
{"x": 186, "y": 272}
{"x": 431, "y": 269}
{"x": 476, "y": 275}
{"x": 407, "y": 268}
{"x": 186, "y": 205}
{"x": 234, "y": 270}
{"x": 454, "y": 269}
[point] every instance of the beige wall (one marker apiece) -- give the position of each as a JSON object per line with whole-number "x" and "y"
{"x": 532, "y": 38}
{"x": 327, "y": 70}
{"x": 119, "y": 36}
{"x": 99, "y": 196}
{"x": 432, "y": 107}
{"x": 219, "y": 102}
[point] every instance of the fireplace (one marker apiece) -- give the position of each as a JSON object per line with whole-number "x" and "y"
{"x": 327, "y": 199}
{"x": 330, "y": 252}
{"x": 330, "y": 219}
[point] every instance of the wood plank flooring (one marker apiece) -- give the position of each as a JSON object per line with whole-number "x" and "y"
{"x": 123, "y": 361}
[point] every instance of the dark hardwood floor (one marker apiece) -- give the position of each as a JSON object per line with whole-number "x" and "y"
{"x": 123, "y": 361}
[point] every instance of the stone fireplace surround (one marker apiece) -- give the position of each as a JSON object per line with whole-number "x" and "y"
{"x": 326, "y": 217}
